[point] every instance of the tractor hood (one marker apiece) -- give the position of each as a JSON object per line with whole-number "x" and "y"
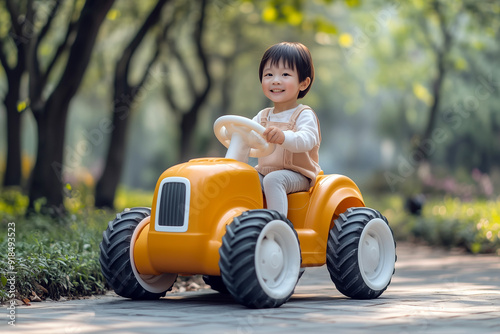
{"x": 199, "y": 187}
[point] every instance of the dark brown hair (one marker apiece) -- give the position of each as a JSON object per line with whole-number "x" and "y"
{"x": 295, "y": 56}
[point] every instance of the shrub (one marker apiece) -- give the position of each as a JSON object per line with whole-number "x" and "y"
{"x": 445, "y": 221}
{"x": 55, "y": 258}
{"x": 451, "y": 222}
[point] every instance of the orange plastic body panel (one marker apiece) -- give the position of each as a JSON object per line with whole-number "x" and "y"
{"x": 141, "y": 256}
{"x": 313, "y": 213}
{"x": 221, "y": 189}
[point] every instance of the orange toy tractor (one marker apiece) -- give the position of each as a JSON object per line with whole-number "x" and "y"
{"x": 208, "y": 217}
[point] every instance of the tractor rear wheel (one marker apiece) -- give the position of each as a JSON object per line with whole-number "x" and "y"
{"x": 260, "y": 259}
{"x": 117, "y": 265}
{"x": 361, "y": 253}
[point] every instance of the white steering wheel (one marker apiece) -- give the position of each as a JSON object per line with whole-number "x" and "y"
{"x": 243, "y": 137}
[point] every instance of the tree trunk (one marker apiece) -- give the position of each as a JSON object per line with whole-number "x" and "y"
{"x": 433, "y": 111}
{"x": 124, "y": 97}
{"x": 441, "y": 53}
{"x": 188, "y": 126}
{"x": 108, "y": 182}
{"x": 47, "y": 176}
{"x": 13, "y": 168}
{"x": 189, "y": 118}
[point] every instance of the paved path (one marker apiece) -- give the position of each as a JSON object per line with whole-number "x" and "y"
{"x": 432, "y": 292}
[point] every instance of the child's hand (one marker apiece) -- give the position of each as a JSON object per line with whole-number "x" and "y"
{"x": 274, "y": 135}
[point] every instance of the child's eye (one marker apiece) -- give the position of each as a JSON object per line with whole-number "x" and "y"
{"x": 268, "y": 75}
{"x": 286, "y": 74}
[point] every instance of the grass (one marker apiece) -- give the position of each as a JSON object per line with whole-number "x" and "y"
{"x": 56, "y": 258}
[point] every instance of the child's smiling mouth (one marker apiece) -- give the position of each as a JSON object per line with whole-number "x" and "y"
{"x": 277, "y": 90}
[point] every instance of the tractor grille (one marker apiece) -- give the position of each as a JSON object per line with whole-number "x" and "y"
{"x": 173, "y": 205}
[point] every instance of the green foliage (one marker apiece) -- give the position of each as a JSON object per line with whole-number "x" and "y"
{"x": 12, "y": 203}
{"x": 126, "y": 198}
{"x": 392, "y": 207}
{"x": 54, "y": 268}
{"x": 447, "y": 222}
{"x": 54, "y": 258}
{"x": 303, "y": 14}
{"x": 451, "y": 222}
{"x": 57, "y": 257}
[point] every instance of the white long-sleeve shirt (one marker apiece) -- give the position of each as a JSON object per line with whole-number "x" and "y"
{"x": 305, "y": 137}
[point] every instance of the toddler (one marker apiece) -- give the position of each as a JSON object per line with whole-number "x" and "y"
{"x": 286, "y": 72}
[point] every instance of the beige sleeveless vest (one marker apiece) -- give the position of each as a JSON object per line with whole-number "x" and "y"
{"x": 305, "y": 163}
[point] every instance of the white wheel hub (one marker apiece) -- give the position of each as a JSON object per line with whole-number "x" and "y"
{"x": 272, "y": 263}
{"x": 277, "y": 259}
{"x": 376, "y": 254}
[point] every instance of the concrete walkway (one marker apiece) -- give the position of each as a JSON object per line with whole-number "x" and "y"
{"x": 433, "y": 291}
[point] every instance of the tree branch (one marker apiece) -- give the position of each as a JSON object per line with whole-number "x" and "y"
{"x": 14, "y": 15}
{"x": 72, "y": 24}
{"x": 184, "y": 67}
{"x": 427, "y": 34}
{"x": 11, "y": 71}
{"x": 3, "y": 58}
{"x": 123, "y": 63}
{"x": 153, "y": 59}
{"x": 32, "y": 63}
{"x": 60, "y": 49}
{"x": 159, "y": 38}
{"x": 47, "y": 25}
{"x": 180, "y": 10}
{"x": 29, "y": 19}
{"x": 441, "y": 72}
{"x": 442, "y": 25}
{"x": 198, "y": 34}
{"x": 169, "y": 96}
{"x": 198, "y": 97}
{"x": 91, "y": 17}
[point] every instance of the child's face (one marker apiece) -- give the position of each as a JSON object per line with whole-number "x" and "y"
{"x": 281, "y": 85}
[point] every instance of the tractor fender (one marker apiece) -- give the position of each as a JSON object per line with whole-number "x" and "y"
{"x": 331, "y": 196}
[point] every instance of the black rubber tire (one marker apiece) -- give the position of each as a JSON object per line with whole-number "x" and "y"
{"x": 237, "y": 258}
{"x": 115, "y": 256}
{"x": 216, "y": 283}
{"x": 342, "y": 253}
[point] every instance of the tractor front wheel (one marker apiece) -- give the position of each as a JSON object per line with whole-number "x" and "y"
{"x": 260, "y": 259}
{"x": 117, "y": 263}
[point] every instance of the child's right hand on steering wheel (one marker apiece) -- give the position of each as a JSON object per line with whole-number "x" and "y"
{"x": 274, "y": 135}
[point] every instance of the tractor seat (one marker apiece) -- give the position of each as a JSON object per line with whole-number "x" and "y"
{"x": 300, "y": 200}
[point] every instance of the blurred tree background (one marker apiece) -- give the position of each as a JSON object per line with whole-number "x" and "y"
{"x": 108, "y": 94}
{"x": 99, "y": 97}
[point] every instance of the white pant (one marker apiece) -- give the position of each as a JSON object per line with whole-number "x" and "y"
{"x": 276, "y": 185}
